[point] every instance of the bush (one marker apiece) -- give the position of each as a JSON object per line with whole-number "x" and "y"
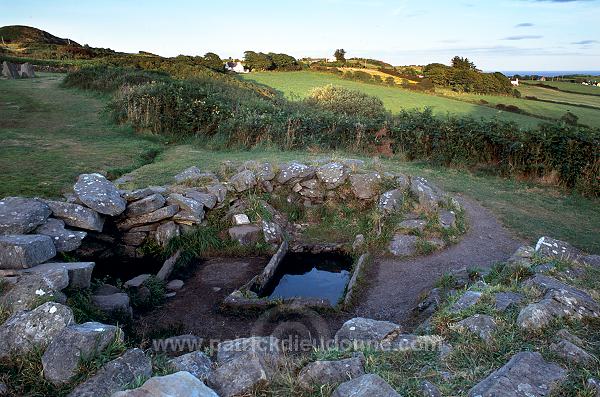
{"x": 349, "y": 102}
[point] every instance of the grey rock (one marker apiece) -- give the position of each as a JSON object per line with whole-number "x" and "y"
{"x": 403, "y": 181}
{"x": 99, "y": 194}
{"x": 566, "y": 335}
{"x": 468, "y": 299}
{"x": 134, "y": 239}
{"x": 265, "y": 172}
{"x": 22, "y": 215}
{"x": 196, "y": 363}
{"x": 10, "y": 70}
{"x": 26, "y": 71}
{"x": 391, "y": 201}
{"x": 138, "y": 194}
{"x": 76, "y": 342}
{"x": 504, "y": 300}
{"x": 426, "y": 193}
{"x": 79, "y": 273}
{"x": 32, "y": 288}
{"x": 290, "y": 173}
{"x": 243, "y": 181}
{"x": 369, "y": 385}
{"x": 152, "y": 217}
{"x": 113, "y": 304}
{"x": 26, "y": 330}
{"x": 359, "y": 242}
{"x": 366, "y": 330}
{"x": 447, "y": 219}
{"x": 572, "y": 353}
{"x": 403, "y": 245}
{"x": 592, "y": 260}
{"x": 137, "y": 281}
{"x": 331, "y": 372}
{"x": 272, "y": 232}
{"x": 594, "y": 386}
{"x": 165, "y": 232}
{"x": 106, "y": 289}
{"x": 186, "y": 204}
{"x": 260, "y": 345}
{"x": 218, "y": 190}
{"x": 413, "y": 225}
{"x": 246, "y": 234}
{"x": 147, "y": 204}
{"x": 365, "y": 186}
{"x": 116, "y": 375}
{"x": 188, "y": 218}
{"x": 168, "y": 266}
{"x": 188, "y": 175}
{"x": 76, "y": 215}
{"x": 523, "y": 256}
{"x": 3, "y": 389}
{"x": 479, "y": 324}
{"x": 525, "y": 375}
{"x": 24, "y": 251}
{"x": 64, "y": 240}
{"x": 209, "y": 200}
{"x": 174, "y": 285}
{"x": 428, "y": 389}
{"x": 332, "y": 175}
{"x": 549, "y": 247}
{"x": 240, "y": 375}
{"x": 179, "y": 384}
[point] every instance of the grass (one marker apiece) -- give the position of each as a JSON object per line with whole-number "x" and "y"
{"x": 49, "y": 135}
{"x": 569, "y": 87}
{"x": 296, "y": 85}
{"x": 549, "y": 94}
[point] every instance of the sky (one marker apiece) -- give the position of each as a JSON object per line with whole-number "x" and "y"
{"x": 498, "y": 35}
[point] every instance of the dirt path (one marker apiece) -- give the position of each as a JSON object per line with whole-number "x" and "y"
{"x": 395, "y": 284}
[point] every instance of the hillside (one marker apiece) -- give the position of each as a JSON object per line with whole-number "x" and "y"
{"x": 26, "y": 35}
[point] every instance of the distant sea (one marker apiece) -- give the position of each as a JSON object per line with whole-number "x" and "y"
{"x": 550, "y": 73}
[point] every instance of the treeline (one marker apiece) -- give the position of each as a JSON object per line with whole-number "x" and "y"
{"x": 227, "y": 115}
{"x": 270, "y": 61}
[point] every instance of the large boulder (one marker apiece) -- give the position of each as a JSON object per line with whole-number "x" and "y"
{"x": 22, "y": 215}
{"x": 99, "y": 194}
{"x": 147, "y": 204}
{"x": 181, "y": 384}
{"x": 427, "y": 194}
{"x": 24, "y": 251}
{"x": 10, "y": 70}
{"x": 527, "y": 374}
{"x": 369, "y": 385}
{"x": 243, "y": 181}
{"x": 116, "y": 375}
{"x": 25, "y": 331}
{"x": 332, "y": 175}
{"x": 196, "y": 363}
{"x": 64, "y": 240}
{"x": 391, "y": 201}
{"x": 240, "y": 375}
{"x": 331, "y": 372}
{"x": 76, "y": 342}
{"x": 79, "y": 273}
{"x": 76, "y": 215}
{"x": 293, "y": 172}
{"x": 31, "y": 288}
{"x": 151, "y": 217}
{"x": 261, "y": 345}
{"x": 246, "y": 234}
{"x": 26, "y": 71}
{"x": 365, "y": 186}
{"x": 403, "y": 245}
{"x": 366, "y": 330}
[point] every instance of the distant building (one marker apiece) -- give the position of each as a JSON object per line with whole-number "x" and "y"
{"x": 542, "y": 78}
{"x": 515, "y": 82}
{"x": 236, "y": 67}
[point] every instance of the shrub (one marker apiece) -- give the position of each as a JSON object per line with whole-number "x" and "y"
{"x": 349, "y": 102}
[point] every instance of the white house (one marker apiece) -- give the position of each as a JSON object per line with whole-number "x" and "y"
{"x": 515, "y": 82}
{"x": 236, "y": 67}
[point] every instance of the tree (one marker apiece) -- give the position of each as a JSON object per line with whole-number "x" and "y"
{"x": 212, "y": 61}
{"x": 257, "y": 61}
{"x": 340, "y": 55}
{"x": 462, "y": 63}
{"x": 283, "y": 61}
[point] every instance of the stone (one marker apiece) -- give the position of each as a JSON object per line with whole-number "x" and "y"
{"x": 218, "y": 190}
{"x": 24, "y": 251}
{"x": 413, "y": 225}
{"x": 240, "y": 375}
{"x": 369, "y": 385}
{"x": 391, "y": 201}
{"x": 76, "y": 342}
{"x": 332, "y": 175}
{"x": 165, "y": 232}
{"x": 24, "y": 331}
{"x": 365, "y": 186}
{"x": 359, "y": 242}
{"x": 134, "y": 239}
{"x": 113, "y": 304}
{"x": 592, "y": 384}
{"x": 427, "y": 194}
{"x": 32, "y": 288}
{"x": 591, "y": 260}
{"x": 76, "y": 215}
{"x": 3, "y": 389}
{"x": 152, "y": 217}
{"x": 272, "y": 232}
{"x": 366, "y": 330}
{"x": 479, "y": 324}
{"x": 290, "y": 173}
{"x": 10, "y": 70}
{"x": 188, "y": 218}
{"x": 196, "y": 363}
{"x": 246, "y": 234}
{"x": 265, "y": 172}
{"x": 428, "y": 389}
{"x": 403, "y": 245}
{"x": 260, "y": 345}
{"x": 22, "y": 215}
{"x": 208, "y": 200}
{"x": 26, "y": 71}
{"x": 174, "y": 285}
{"x": 331, "y": 372}
{"x": 402, "y": 181}
{"x": 64, "y": 240}
{"x": 99, "y": 194}
{"x": 241, "y": 219}
{"x": 447, "y": 219}
{"x": 116, "y": 375}
{"x": 138, "y": 194}
{"x": 137, "y": 281}
{"x": 504, "y": 300}
{"x": 243, "y": 181}
{"x": 566, "y": 335}
{"x": 572, "y": 353}
{"x": 179, "y": 384}
{"x": 168, "y": 266}
{"x": 188, "y": 175}
{"x": 526, "y": 374}
{"x": 468, "y": 299}
{"x": 147, "y": 204}
{"x": 549, "y": 247}
{"x": 79, "y": 273}
{"x": 186, "y": 204}
{"x": 106, "y": 289}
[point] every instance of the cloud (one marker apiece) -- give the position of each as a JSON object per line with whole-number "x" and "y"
{"x": 584, "y": 42}
{"x": 523, "y": 37}
{"x": 524, "y": 25}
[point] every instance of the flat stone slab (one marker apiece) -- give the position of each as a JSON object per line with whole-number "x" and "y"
{"x": 76, "y": 215}
{"x": 525, "y": 375}
{"x": 33, "y": 287}
{"x": 189, "y": 174}
{"x": 99, "y": 194}
{"x": 479, "y": 324}
{"x": 572, "y": 353}
{"x": 369, "y": 385}
{"x": 137, "y": 281}
{"x": 468, "y": 299}
{"x": 550, "y": 247}
{"x": 114, "y": 303}
{"x": 331, "y": 372}
{"x": 152, "y": 217}
{"x": 21, "y": 215}
{"x": 80, "y": 273}
{"x": 261, "y": 345}
{"x": 147, "y": 204}
{"x": 367, "y": 330}
{"x": 403, "y": 245}
{"x": 24, "y": 251}
{"x": 178, "y": 384}
{"x": 365, "y": 186}
{"x": 246, "y": 234}
{"x": 196, "y": 363}
{"x": 64, "y": 240}
{"x": 505, "y": 300}
{"x": 413, "y": 224}
{"x": 240, "y": 375}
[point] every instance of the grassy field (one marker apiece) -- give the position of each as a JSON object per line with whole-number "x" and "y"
{"x": 560, "y": 96}
{"x": 569, "y": 87}
{"x": 296, "y": 85}
{"x": 48, "y": 135}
